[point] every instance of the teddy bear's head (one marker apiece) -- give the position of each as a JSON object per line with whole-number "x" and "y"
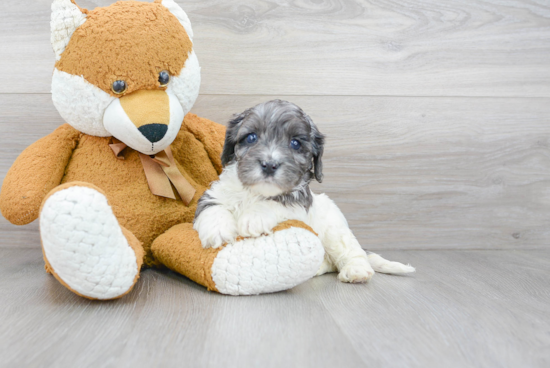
{"x": 127, "y": 70}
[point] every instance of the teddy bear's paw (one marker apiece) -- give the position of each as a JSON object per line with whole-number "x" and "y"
{"x": 84, "y": 244}
{"x": 356, "y": 271}
{"x": 268, "y": 263}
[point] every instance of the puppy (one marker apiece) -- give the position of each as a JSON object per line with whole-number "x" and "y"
{"x": 272, "y": 152}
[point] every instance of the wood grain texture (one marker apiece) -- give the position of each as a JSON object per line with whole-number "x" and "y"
{"x": 329, "y": 47}
{"x": 434, "y": 172}
{"x": 462, "y": 309}
{"x": 408, "y": 173}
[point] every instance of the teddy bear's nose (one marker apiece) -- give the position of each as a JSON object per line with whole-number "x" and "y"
{"x": 153, "y": 132}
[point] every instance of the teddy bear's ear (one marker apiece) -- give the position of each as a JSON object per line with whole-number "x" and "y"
{"x": 178, "y": 12}
{"x": 66, "y": 18}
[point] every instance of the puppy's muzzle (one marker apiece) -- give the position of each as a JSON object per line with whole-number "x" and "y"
{"x": 269, "y": 167}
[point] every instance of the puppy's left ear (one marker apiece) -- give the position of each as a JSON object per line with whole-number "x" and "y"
{"x": 318, "y": 146}
{"x": 228, "y": 153}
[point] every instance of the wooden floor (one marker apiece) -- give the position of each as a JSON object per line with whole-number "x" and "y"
{"x": 462, "y": 309}
{"x": 437, "y": 114}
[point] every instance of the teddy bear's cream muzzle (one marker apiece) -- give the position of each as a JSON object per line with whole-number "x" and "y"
{"x": 147, "y": 120}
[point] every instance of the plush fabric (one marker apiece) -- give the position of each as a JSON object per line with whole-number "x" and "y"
{"x": 267, "y": 264}
{"x": 117, "y": 119}
{"x": 80, "y": 103}
{"x": 109, "y": 46}
{"x": 186, "y": 85}
{"x": 81, "y": 235}
{"x": 139, "y": 110}
{"x": 38, "y": 170}
{"x": 137, "y": 209}
{"x": 180, "y": 14}
{"x": 180, "y": 250}
{"x": 250, "y": 266}
{"x": 66, "y": 18}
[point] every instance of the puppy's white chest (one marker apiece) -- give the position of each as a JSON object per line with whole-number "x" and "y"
{"x": 262, "y": 216}
{"x": 269, "y": 208}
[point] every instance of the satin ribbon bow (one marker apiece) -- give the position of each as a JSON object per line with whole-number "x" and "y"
{"x": 160, "y": 170}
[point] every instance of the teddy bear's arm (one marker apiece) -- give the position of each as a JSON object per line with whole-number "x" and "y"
{"x": 210, "y": 134}
{"x": 37, "y": 170}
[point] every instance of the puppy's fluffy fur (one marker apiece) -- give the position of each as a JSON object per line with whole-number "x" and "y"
{"x": 271, "y": 153}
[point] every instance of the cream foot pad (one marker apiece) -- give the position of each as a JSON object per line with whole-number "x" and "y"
{"x": 84, "y": 244}
{"x": 268, "y": 263}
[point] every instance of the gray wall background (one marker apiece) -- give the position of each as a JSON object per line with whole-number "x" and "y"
{"x": 437, "y": 112}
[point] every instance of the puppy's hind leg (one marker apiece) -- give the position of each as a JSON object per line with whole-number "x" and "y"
{"x": 326, "y": 267}
{"x": 347, "y": 255}
{"x": 343, "y": 249}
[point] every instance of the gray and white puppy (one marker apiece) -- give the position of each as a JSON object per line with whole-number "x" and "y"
{"x": 272, "y": 152}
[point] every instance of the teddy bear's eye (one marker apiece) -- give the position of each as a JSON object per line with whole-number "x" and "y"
{"x": 119, "y": 87}
{"x": 164, "y": 78}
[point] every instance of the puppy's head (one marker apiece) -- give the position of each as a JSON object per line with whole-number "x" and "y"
{"x": 275, "y": 146}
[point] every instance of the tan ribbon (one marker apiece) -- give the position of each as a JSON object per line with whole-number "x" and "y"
{"x": 160, "y": 170}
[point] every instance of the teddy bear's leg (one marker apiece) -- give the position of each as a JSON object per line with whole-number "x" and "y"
{"x": 84, "y": 246}
{"x": 289, "y": 256}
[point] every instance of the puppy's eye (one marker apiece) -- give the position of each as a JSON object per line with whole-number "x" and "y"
{"x": 164, "y": 78}
{"x": 251, "y": 138}
{"x": 119, "y": 87}
{"x": 295, "y": 144}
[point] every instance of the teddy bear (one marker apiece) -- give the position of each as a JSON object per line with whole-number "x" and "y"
{"x": 115, "y": 189}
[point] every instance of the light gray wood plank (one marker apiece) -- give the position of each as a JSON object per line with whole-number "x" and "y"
{"x": 408, "y": 173}
{"x": 339, "y": 47}
{"x": 462, "y": 308}
{"x": 166, "y": 321}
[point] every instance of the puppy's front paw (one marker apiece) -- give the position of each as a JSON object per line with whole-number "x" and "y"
{"x": 218, "y": 235}
{"x": 356, "y": 271}
{"x": 254, "y": 224}
{"x": 216, "y": 226}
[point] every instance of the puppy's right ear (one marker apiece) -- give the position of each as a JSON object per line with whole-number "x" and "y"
{"x": 228, "y": 153}
{"x": 318, "y": 147}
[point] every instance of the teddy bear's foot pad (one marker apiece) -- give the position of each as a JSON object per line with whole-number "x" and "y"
{"x": 84, "y": 244}
{"x": 267, "y": 264}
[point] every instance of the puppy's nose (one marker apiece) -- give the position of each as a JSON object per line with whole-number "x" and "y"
{"x": 153, "y": 132}
{"x": 269, "y": 167}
